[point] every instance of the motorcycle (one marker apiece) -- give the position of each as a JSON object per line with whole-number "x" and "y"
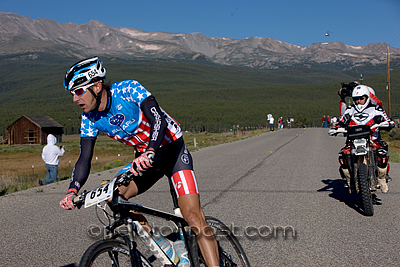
{"x": 362, "y": 161}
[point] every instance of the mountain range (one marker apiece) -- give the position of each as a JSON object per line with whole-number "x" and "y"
{"x": 23, "y": 37}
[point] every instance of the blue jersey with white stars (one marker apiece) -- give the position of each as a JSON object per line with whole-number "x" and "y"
{"x": 125, "y": 120}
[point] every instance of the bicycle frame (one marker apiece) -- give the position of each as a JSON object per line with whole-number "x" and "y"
{"x": 123, "y": 215}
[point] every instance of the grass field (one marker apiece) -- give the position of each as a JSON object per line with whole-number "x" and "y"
{"x": 22, "y": 165}
{"x": 394, "y": 147}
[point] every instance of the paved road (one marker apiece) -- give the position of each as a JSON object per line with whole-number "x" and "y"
{"x": 287, "y": 178}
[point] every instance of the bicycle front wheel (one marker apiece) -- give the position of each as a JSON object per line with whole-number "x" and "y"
{"x": 110, "y": 253}
{"x": 231, "y": 253}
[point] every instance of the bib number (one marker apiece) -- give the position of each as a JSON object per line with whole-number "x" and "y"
{"x": 102, "y": 193}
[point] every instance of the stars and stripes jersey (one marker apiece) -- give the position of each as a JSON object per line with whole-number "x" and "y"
{"x": 130, "y": 121}
{"x": 372, "y": 114}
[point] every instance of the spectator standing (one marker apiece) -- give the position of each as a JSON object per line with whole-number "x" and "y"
{"x": 271, "y": 124}
{"x": 50, "y": 154}
{"x": 334, "y": 121}
{"x": 325, "y": 121}
{"x": 280, "y": 123}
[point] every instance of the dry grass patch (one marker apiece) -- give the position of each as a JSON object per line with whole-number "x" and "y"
{"x": 22, "y": 165}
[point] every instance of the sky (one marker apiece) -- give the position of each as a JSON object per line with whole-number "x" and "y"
{"x": 353, "y": 22}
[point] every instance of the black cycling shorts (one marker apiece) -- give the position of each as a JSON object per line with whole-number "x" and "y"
{"x": 174, "y": 161}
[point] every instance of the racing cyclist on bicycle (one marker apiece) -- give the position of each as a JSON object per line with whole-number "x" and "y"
{"x": 129, "y": 113}
{"x": 364, "y": 112}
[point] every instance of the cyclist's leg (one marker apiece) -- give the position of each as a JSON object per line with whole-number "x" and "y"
{"x": 127, "y": 191}
{"x": 184, "y": 181}
{"x": 194, "y": 216}
{"x": 138, "y": 186}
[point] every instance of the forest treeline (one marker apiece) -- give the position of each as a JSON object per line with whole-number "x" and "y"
{"x": 200, "y": 96}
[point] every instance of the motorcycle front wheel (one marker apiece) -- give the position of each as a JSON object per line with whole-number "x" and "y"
{"x": 365, "y": 190}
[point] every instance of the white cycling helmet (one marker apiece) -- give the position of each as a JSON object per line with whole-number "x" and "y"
{"x": 359, "y": 91}
{"x": 84, "y": 72}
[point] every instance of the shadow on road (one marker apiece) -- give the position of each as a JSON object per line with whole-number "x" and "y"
{"x": 341, "y": 193}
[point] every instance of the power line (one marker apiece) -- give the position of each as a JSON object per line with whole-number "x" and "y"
{"x": 392, "y": 43}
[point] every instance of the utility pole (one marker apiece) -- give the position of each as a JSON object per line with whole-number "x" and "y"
{"x": 388, "y": 82}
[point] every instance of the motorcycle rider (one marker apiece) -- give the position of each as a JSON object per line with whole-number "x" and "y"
{"x": 364, "y": 112}
{"x": 342, "y": 105}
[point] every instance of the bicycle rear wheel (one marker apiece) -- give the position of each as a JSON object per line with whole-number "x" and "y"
{"x": 109, "y": 253}
{"x": 231, "y": 253}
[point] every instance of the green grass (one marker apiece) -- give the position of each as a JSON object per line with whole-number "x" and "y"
{"x": 394, "y": 156}
{"x": 393, "y": 140}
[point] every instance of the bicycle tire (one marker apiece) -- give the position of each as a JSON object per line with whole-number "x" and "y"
{"x": 365, "y": 190}
{"x": 231, "y": 253}
{"x": 110, "y": 252}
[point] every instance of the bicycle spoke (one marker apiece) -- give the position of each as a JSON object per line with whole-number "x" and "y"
{"x": 114, "y": 258}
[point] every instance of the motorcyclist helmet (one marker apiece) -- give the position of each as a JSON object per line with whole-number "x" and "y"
{"x": 372, "y": 91}
{"x": 358, "y": 92}
{"x": 83, "y": 73}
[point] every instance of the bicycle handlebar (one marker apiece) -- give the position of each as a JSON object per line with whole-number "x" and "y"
{"x": 79, "y": 199}
{"x": 122, "y": 180}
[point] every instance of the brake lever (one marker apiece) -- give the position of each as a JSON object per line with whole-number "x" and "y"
{"x": 151, "y": 160}
{"x": 127, "y": 176}
{"x": 79, "y": 199}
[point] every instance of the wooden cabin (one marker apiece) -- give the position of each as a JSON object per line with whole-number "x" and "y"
{"x": 33, "y": 130}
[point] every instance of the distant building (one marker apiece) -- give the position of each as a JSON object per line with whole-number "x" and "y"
{"x": 33, "y": 130}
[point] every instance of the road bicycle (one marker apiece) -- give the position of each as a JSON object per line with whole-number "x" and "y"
{"x": 120, "y": 247}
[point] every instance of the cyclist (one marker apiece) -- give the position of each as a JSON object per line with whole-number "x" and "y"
{"x": 364, "y": 112}
{"x": 129, "y": 113}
